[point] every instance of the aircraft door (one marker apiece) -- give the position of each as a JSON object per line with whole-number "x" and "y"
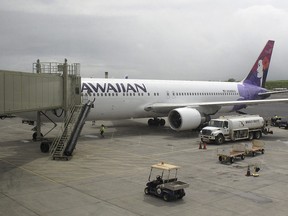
{"x": 84, "y": 98}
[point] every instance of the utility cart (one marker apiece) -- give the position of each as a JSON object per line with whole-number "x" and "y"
{"x": 229, "y": 155}
{"x": 254, "y": 147}
{"x": 165, "y": 183}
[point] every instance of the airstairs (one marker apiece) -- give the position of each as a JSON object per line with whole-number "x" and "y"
{"x": 60, "y": 142}
{"x": 64, "y": 144}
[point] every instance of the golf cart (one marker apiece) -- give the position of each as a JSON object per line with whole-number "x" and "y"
{"x": 163, "y": 185}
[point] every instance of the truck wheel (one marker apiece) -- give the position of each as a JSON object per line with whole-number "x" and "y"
{"x": 251, "y": 136}
{"x": 258, "y": 135}
{"x": 219, "y": 139}
{"x": 166, "y": 197}
{"x": 146, "y": 191}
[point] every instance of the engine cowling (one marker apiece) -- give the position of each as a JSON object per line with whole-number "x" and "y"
{"x": 185, "y": 119}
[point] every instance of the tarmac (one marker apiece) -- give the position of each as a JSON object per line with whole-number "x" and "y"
{"x": 107, "y": 176}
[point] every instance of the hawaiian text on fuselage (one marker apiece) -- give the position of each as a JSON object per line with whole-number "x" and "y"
{"x": 113, "y": 87}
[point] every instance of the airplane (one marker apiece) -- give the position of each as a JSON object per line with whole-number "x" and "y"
{"x": 187, "y": 104}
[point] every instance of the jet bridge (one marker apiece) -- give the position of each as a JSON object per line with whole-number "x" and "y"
{"x": 51, "y": 86}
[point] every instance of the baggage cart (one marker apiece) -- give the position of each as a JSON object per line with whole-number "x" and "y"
{"x": 230, "y": 154}
{"x": 256, "y": 146}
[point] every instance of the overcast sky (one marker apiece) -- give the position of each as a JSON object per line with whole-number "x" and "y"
{"x": 151, "y": 39}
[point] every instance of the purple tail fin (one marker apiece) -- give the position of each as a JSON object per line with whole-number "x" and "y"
{"x": 259, "y": 71}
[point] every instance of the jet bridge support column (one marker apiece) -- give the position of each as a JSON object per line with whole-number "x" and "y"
{"x": 37, "y": 135}
{"x": 65, "y": 94}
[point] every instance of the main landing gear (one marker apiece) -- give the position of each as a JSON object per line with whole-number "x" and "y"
{"x": 156, "y": 122}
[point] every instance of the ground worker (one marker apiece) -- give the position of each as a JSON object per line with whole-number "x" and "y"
{"x": 102, "y": 129}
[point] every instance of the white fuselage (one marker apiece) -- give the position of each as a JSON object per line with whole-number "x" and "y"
{"x": 127, "y": 98}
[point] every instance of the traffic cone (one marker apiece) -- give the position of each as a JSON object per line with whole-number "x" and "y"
{"x": 248, "y": 171}
{"x": 204, "y": 145}
{"x": 200, "y": 145}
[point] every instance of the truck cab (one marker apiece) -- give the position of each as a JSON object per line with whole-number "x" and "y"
{"x": 216, "y": 130}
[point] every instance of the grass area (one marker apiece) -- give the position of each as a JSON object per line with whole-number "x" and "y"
{"x": 276, "y": 84}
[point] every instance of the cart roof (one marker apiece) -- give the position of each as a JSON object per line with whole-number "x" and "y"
{"x": 165, "y": 166}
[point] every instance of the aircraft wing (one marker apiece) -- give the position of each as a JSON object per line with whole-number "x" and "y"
{"x": 166, "y": 107}
{"x": 272, "y": 92}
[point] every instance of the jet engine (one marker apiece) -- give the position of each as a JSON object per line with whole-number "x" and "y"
{"x": 186, "y": 119}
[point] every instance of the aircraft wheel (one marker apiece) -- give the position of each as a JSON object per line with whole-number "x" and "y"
{"x": 34, "y": 136}
{"x": 150, "y": 122}
{"x": 44, "y": 146}
{"x": 162, "y": 122}
{"x": 153, "y": 122}
{"x": 232, "y": 160}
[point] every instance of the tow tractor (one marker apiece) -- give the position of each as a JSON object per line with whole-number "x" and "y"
{"x": 163, "y": 185}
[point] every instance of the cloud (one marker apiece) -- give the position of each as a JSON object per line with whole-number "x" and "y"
{"x": 194, "y": 40}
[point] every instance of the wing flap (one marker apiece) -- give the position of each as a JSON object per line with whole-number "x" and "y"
{"x": 166, "y": 107}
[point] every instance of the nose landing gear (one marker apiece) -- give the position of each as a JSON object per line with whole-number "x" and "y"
{"x": 156, "y": 122}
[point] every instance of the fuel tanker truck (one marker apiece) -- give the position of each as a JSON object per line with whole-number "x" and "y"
{"x": 236, "y": 127}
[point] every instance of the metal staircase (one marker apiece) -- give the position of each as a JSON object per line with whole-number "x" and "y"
{"x": 57, "y": 149}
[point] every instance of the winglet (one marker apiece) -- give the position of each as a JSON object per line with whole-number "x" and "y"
{"x": 259, "y": 71}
